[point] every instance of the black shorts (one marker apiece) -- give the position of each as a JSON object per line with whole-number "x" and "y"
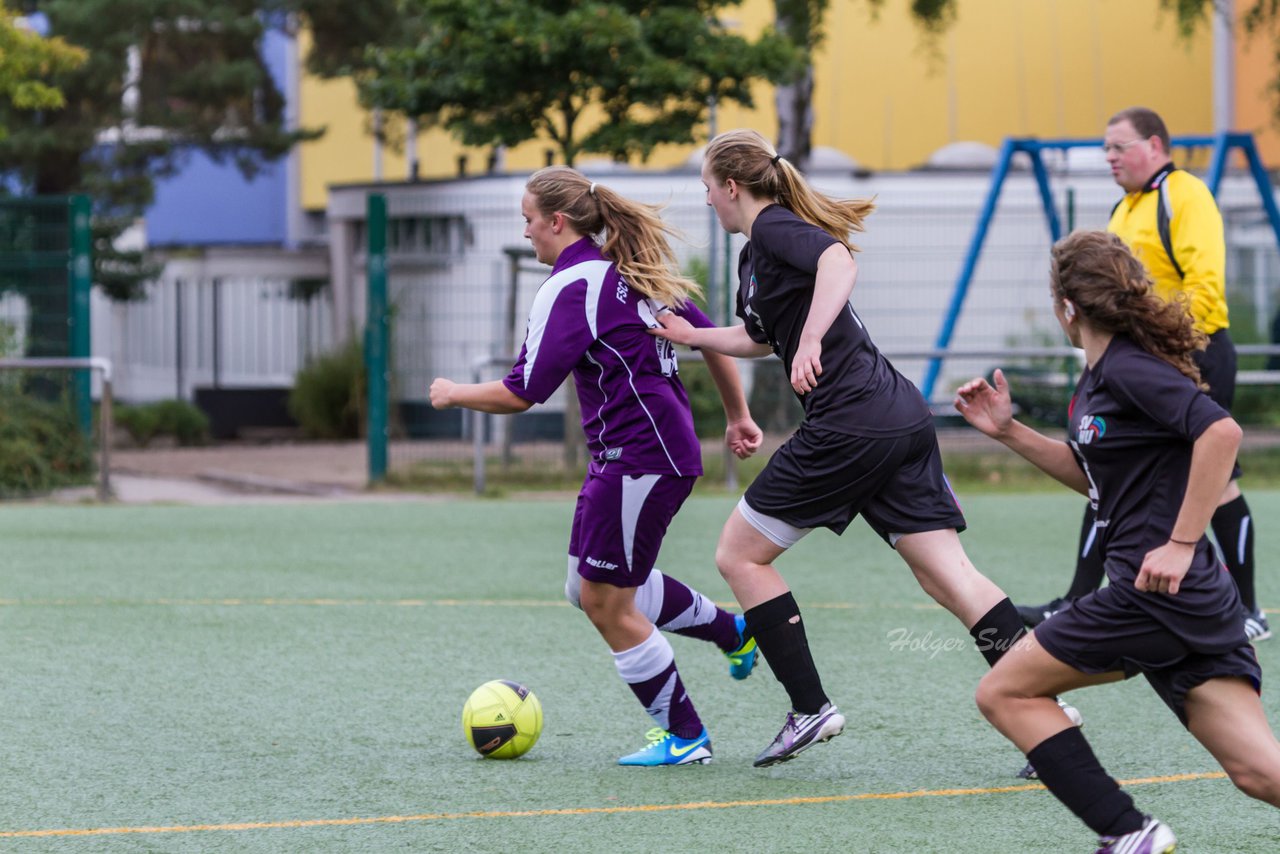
{"x": 1101, "y": 633}
{"x": 1218, "y": 370}
{"x": 822, "y": 479}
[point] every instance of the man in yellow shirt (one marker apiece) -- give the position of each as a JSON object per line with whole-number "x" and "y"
{"x": 1170, "y": 221}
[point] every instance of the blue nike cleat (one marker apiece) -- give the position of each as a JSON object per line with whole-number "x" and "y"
{"x": 666, "y": 748}
{"x": 743, "y": 659}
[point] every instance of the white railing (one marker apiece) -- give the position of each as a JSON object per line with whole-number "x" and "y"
{"x": 220, "y": 332}
{"x": 477, "y": 423}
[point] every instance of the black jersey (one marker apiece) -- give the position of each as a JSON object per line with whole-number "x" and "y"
{"x": 859, "y": 393}
{"x": 1134, "y": 418}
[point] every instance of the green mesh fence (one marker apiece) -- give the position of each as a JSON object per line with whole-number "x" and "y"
{"x": 46, "y": 416}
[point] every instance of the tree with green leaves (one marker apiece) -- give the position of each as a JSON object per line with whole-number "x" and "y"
{"x": 341, "y": 31}
{"x": 28, "y": 63}
{"x": 161, "y": 78}
{"x": 615, "y": 78}
{"x": 1259, "y": 20}
{"x": 800, "y": 22}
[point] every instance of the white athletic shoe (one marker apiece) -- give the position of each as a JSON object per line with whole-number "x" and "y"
{"x": 1154, "y": 837}
{"x": 1256, "y": 627}
{"x": 799, "y": 732}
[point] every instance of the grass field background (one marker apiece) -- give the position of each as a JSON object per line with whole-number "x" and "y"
{"x": 290, "y": 678}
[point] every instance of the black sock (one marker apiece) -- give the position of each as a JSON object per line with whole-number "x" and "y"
{"x": 1233, "y": 528}
{"x": 997, "y": 630}
{"x": 1089, "y": 569}
{"x": 779, "y": 633}
{"x": 1067, "y": 767}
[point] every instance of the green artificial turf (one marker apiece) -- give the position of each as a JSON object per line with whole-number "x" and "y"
{"x": 290, "y": 678}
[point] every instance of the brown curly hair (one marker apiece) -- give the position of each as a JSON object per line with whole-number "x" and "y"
{"x": 1110, "y": 287}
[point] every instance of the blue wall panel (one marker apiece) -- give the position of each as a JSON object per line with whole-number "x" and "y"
{"x": 209, "y": 203}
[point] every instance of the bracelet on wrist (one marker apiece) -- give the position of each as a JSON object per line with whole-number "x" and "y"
{"x": 1184, "y": 542}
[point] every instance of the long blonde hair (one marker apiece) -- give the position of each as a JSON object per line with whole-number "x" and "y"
{"x": 635, "y": 237}
{"x": 1110, "y": 287}
{"x": 749, "y": 159}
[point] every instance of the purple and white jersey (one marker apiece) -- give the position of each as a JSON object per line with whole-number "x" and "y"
{"x": 587, "y": 320}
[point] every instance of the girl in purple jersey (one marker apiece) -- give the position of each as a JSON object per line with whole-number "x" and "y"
{"x": 867, "y": 444}
{"x": 1153, "y": 453}
{"x": 591, "y": 319}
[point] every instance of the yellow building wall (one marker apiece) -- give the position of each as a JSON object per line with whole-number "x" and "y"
{"x": 1256, "y": 71}
{"x": 883, "y": 95}
{"x": 1047, "y": 68}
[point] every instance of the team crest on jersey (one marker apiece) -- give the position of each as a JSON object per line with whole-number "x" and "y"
{"x": 649, "y": 310}
{"x": 1092, "y": 427}
{"x": 746, "y": 303}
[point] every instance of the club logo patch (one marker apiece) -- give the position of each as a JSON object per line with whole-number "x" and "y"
{"x": 746, "y": 304}
{"x": 1092, "y": 427}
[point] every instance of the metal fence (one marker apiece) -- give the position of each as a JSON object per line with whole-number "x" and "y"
{"x": 220, "y": 322}
{"x": 461, "y": 282}
{"x": 45, "y": 269}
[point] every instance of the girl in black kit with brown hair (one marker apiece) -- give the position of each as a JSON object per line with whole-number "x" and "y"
{"x": 1153, "y": 453}
{"x": 866, "y": 448}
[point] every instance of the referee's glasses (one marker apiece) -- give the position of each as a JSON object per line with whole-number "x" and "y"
{"x": 1120, "y": 147}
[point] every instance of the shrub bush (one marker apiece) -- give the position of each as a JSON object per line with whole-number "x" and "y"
{"x": 182, "y": 421}
{"x": 141, "y": 422}
{"x": 185, "y": 422}
{"x": 328, "y": 395}
{"x": 41, "y": 445}
{"x": 23, "y": 468}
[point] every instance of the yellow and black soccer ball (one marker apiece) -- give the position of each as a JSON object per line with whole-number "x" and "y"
{"x": 502, "y": 719}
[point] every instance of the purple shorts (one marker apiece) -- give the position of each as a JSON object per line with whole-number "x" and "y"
{"x": 619, "y": 524}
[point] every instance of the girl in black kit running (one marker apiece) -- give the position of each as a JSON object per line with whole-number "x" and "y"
{"x": 1153, "y": 453}
{"x": 866, "y": 447}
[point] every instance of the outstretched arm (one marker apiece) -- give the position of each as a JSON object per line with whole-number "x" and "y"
{"x": 729, "y": 340}
{"x": 742, "y": 434}
{"x": 493, "y": 397}
{"x": 990, "y": 410}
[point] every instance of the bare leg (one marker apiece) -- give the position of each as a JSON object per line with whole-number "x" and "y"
{"x": 612, "y": 610}
{"x": 645, "y": 661}
{"x": 745, "y": 558}
{"x": 1226, "y": 716}
{"x": 943, "y": 569}
{"x": 1018, "y": 695}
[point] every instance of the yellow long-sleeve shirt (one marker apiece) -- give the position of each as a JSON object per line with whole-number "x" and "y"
{"x": 1196, "y": 233}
